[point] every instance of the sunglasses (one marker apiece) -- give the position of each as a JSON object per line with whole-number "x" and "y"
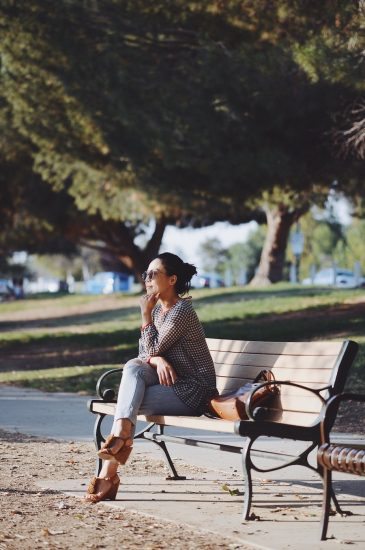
{"x": 149, "y": 275}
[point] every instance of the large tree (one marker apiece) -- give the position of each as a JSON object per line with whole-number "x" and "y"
{"x": 85, "y": 90}
{"x": 179, "y": 111}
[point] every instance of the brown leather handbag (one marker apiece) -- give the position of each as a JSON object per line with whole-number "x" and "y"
{"x": 232, "y": 406}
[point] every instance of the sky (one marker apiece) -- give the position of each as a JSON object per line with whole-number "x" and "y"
{"x": 186, "y": 242}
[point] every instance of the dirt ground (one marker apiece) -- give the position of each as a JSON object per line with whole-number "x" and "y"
{"x": 34, "y": 518}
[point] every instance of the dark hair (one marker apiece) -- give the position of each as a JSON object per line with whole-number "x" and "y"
{"x": 175, "y": 266}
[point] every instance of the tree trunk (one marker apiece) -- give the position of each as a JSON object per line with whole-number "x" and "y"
{"x": 279, "y": 221}
{"x": 116, "y": 240}
{"x": 137, "y": 259}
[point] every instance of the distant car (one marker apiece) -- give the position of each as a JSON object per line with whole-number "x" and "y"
{"x": 41, "y": 284}
{"x": 339, "y": 278}
{"x": 6, "y": 290}
{"x": 107, "y": 282}
{"x": 207, "y": 280}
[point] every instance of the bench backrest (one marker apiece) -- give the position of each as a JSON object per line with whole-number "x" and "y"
{"x": 311, "y": 364}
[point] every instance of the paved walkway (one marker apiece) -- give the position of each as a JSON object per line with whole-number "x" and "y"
{"x": 287, "y": 502}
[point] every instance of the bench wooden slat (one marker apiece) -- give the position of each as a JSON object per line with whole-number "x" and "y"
{"x": 236, "y": 360}
{"x": 102, "y": 407}
{"x": 199, "y": 422}
{"x": 299, "y": 376}
{"x": 229, "y": 384}
{"x": 203, "y": 422}
{"x": 218, "y": 425}
{"x": 282, "y": 348}
{"x": 298, "y": 401}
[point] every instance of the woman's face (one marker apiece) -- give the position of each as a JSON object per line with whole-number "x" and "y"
{"x": 157, "y": 280}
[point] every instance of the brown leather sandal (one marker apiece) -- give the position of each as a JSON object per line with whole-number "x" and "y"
{"x": 109, "y": 493}
{"x": 121, "y": 455}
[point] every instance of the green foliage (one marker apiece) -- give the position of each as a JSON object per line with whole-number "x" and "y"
{"x": 213, "y": 255}
{"x": 326, "y": 242}
{"x": 84, "y": 85}
{"x": 356, "y": 243}
{"x": 189, "y": 112}
{"x": 245, "y": 256}
{"x": 239, "y": 259}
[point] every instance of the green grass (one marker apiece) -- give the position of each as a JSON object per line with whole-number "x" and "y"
{"x": 61, "y": 379}
{"x": 63, "y": 343}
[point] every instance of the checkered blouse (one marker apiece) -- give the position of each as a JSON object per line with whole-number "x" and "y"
{"x": 178, "y": 336}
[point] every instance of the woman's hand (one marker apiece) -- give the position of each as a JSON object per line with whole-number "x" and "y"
{"x": 147, "y": 302}
{"x": 166, "y": 373}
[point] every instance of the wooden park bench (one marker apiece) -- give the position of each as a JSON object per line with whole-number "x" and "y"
{"x": 349, "y": 458}
{"x": 309, "y": 374}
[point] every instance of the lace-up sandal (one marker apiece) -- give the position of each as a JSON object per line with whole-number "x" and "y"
{"x": 95, "y": 494}
{"x": 122, "y": 452}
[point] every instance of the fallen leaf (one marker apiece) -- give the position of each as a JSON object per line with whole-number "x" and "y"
{"x": 62, "y": 505}
{"x": 50, "y": 532}
{"x": 232, "y": 492}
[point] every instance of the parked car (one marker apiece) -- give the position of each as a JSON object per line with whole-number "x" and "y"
{"x": 41, "y": 284}
{"x": 207, "y": 280}
{"x": 339, "y": 278}
{"x": 6, "y": 292}
{"x": 107, "y": 282}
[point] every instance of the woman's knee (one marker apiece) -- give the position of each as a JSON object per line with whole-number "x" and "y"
{"x": 132, "y": 364}
{"x": 136, "y": 368}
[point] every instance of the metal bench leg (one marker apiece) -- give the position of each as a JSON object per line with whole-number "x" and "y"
{"x": 326, "y": 501}
{"x": 322, "y": 472}
{"x": 336, "y": 503}
{"x": 175, "y": 476}
{"x": 98, "y": 439}
{"x": 146, "y": 433}
{"x": 247, "y": 466}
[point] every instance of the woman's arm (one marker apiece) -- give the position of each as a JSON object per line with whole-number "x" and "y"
{"x": 166, "y": 373}
{"x": 147, "y": 302}
{"x": 174, "y": 328}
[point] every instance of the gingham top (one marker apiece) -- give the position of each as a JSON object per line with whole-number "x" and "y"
{"x": 178, "y": 336}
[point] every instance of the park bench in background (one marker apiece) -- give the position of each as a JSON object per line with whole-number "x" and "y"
{"x": 332, "y": 456}
{"x": 309, "y": 373}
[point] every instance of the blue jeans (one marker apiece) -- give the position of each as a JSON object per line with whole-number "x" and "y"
{"x": 141, "y": 393}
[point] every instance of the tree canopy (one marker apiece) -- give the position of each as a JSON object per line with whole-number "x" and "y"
{"x": 180, "y": 112}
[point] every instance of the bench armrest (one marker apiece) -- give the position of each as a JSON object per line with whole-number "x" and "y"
{"x": 108, "y": 394}
{"x": 329, "y": 412}
{"x": 250, "y": 408}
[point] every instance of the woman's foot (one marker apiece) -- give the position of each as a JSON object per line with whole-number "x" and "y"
{"x": 102, "y": 488}
{"x": 116, "y": 449}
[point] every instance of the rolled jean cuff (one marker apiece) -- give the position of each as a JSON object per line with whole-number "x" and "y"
{"x": 126, "y": 413}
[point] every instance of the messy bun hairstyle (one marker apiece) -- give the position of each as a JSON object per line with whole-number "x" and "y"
{"x": 175, "y": 266}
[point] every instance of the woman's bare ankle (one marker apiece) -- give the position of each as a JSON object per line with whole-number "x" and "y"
{"x": 109, "y": 469}
{"x": 123, "y": 428}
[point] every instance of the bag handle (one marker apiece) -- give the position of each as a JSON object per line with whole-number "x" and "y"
{"x": 266, "y": 375}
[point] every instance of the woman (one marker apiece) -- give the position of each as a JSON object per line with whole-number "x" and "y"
{"x": 173, "y": 373}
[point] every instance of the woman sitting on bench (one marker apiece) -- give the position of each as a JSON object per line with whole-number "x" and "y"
{"x": 173, "y": 373}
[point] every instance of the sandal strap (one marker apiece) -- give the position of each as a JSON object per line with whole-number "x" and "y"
{"x": 91, "y": 486}
{"x": 106, "y": 448}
